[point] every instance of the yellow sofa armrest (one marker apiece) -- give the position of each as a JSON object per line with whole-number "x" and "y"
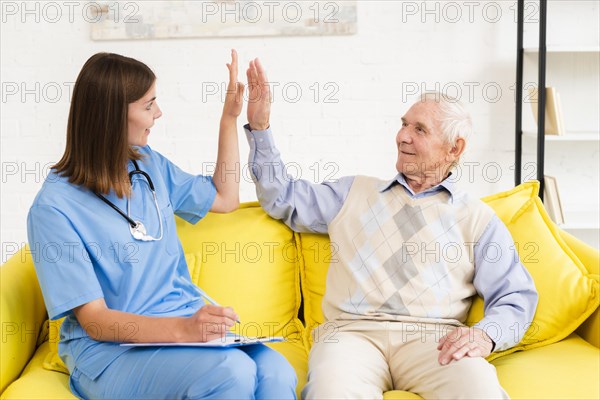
{"x": 590, "y": 257}
{"x": 22, "y": 314}
{"x": 590, "y": 329}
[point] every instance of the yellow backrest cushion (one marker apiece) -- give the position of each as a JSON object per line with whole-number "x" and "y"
{"x": 568, "y": 292}
{"x": 317, "y": 255}
{"x": 249, "y": 261}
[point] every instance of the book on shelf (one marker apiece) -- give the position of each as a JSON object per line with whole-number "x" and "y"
{"x": 560, "y": 121}
{"x": 554, "y": 121}
{"x": 552, "y": 200}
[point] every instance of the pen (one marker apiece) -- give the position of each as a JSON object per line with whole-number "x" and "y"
{"x": 212, "y": 301}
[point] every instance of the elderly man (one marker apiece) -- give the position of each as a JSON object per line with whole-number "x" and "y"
{"x": 412, "y": 253}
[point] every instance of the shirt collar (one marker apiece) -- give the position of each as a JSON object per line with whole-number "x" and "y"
{"x": 447, "y": 184}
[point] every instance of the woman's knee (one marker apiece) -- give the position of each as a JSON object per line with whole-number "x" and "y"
{"x": 237, "y": 364}
{"x": 275, "y": 367}
{"x": 233, "y": 377}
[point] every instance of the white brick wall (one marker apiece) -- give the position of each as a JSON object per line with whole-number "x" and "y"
{"x": 399, "y": 46}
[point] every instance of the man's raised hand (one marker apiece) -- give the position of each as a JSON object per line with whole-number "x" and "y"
{"x": 259, "y": 99}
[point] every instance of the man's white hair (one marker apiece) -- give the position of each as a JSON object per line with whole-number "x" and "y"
{"x": 455, "y": 120}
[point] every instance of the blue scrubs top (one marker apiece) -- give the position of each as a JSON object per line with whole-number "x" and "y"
{"x": 83, "y": 250}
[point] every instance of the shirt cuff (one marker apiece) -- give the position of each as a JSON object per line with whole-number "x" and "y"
{"x": 498, "y": 332}
{"x": 261, "y": 139}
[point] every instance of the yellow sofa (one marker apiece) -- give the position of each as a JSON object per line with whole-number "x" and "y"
{"x": 275, "y": 279}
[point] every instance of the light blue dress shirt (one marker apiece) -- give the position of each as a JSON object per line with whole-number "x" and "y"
{"x": 500, "y": 278}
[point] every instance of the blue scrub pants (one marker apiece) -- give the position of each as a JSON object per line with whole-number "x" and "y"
{"x": 247, "y": 372}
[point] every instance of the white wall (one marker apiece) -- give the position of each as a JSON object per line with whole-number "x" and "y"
{"x": 400, "y": 46}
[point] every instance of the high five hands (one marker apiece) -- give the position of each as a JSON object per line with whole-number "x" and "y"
{"x": 259, "y": 96}
{"x": 213, "y": 321}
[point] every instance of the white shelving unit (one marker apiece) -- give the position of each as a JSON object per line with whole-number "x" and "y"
{"x": 564, "y": 49}
{"x": 574, "y": 71}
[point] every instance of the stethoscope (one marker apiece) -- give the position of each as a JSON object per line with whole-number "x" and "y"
{"x": 137, "y": 228}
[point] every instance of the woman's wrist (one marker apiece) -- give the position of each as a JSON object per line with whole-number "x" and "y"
{"x": 229, "y": 119}
{"x": 180, "y": 331}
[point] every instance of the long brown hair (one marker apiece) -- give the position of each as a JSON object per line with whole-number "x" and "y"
{"x": 97, "y": 149}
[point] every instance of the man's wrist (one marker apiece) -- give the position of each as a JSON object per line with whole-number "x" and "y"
{"x": 258, "y": 127}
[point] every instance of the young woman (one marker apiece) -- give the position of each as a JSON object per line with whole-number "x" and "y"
{"x": 111, "y": 260}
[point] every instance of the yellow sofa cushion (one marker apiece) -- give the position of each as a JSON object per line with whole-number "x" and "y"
{"x": 37, "y": 383}
{"x": 317, "y": 255}
{"x": 52, "y": 361}
{"x": 568, "y": 369}
{"x": 568, "y": 293}
{"x": 249, "y": 261}
{"x": 22, "y": 315}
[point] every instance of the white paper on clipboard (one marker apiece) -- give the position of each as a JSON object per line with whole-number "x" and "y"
{"x": 226, "y": 341}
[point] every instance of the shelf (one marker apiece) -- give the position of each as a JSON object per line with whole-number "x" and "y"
{"x": 568, "y": 137}
{"x": 581, "y": 220}
{"x": 564, "y": 49}
{"x": 580, "y": 227}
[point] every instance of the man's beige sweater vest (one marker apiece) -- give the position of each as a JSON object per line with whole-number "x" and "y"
{"x": 404, "y": 259}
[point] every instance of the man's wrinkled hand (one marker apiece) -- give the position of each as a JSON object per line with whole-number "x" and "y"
{"x": 464, "y": 341}
{"x": 259, "y": 98}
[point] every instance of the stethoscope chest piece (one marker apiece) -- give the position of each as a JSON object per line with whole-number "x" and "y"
{"x": 138, "y": 231}
{"x": 137, "y": 228}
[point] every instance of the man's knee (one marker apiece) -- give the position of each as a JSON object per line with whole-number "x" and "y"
{"x": 471, "y": 378}
{"x": 321, "y": 389}
{"x": 336, "y": 383}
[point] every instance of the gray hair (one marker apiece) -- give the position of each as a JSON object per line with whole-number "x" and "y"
{"x": 454, "y": 118}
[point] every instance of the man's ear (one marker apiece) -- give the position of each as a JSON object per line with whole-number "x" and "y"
{"x": 457, "y": 150}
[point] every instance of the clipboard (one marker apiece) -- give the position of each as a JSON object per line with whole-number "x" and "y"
{"x": 225, "y": 341}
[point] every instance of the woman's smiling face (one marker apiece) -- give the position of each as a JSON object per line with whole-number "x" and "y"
{"x": 140, "y": 117}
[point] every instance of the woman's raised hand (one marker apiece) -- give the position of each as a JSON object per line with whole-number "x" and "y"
{"x": 235, "y": 90}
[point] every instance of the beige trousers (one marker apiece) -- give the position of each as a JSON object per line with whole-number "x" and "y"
{"x": 363, "y": 359}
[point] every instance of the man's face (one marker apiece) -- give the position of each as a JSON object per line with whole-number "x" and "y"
{"x": 422, "y": 150}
